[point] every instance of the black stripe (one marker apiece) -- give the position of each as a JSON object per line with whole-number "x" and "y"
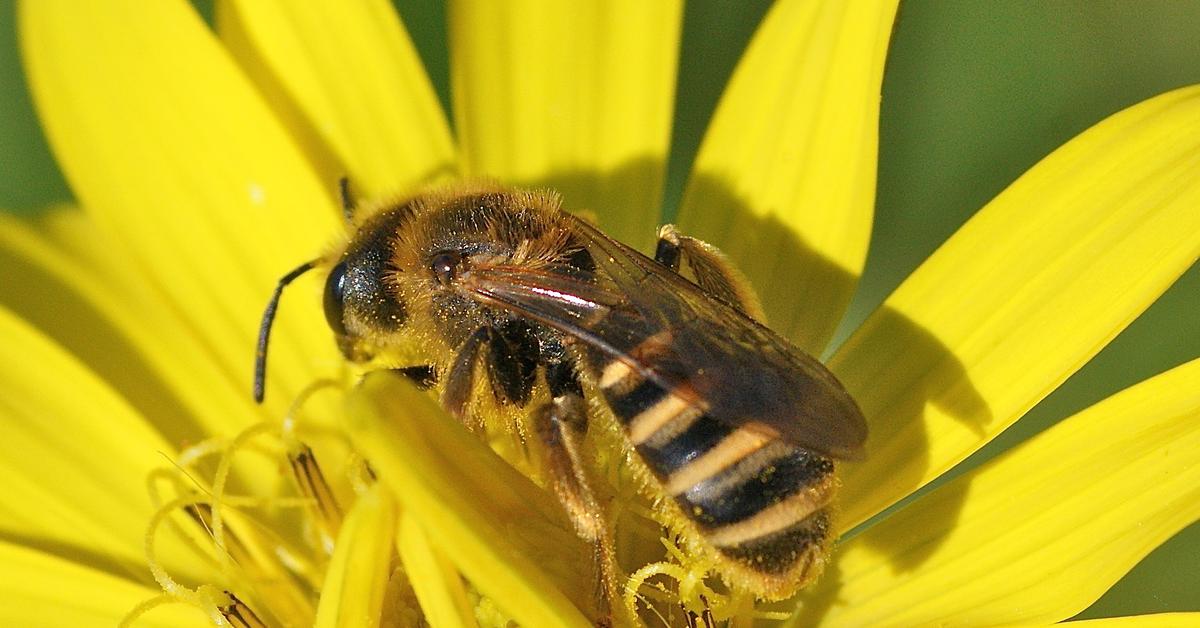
{"x": 632, "y": 403}
{"x": 703, "y": 434}
{"x": 780, "y": 551}
{"x": 712, "y": 505}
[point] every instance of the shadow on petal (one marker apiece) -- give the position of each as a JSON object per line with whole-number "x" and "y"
{"x": 812, "y": 607}
{"x": 611, "y": 194}
{"x": 47, "y": 301}
{"x": 955, "y": 494}
{"x": 90, "y": 557}
{"x": 906, "y": 378}
{"x": 803, "y": 293}
{"x": 814, "y": 604}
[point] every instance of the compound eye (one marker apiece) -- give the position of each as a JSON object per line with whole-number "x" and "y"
{"x": 446, "y": 266}
{"x": 335, "y": 293}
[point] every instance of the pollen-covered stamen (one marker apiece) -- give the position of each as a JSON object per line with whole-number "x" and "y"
{"x": 652, "y": 596}
{"x": 707, "y": 615}
{"x": 276, "y": 570}
{"x": 311, "y": 483}
{"x": 239, "y": 615}
{"x": 201, "y": 513}
{"x": 310, "y": 480}
{"x": 222, "y": 477}
{"x": 206, "y": 597}
{"x": 693, "y": 590}
{"x": 258, "y": 564}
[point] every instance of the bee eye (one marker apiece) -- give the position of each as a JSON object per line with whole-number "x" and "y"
{"x": 446, "y": 265}
{"x": 335, "y": 292}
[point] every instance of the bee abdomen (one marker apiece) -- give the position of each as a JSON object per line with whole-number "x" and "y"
{"x": 766, "y": 514}
{"x": 758, "y": 501}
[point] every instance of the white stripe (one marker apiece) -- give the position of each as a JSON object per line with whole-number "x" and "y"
{"x": 781, "y": 516}
{"x": 731, "y": 450}
{"x": 614, "y": 373}
{"x": 652, "y": 419}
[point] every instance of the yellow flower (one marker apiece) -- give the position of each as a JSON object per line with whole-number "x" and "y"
{"x": 204, "y": 165}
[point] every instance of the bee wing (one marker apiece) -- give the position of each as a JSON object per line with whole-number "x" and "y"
{"x": 739, "y": 371}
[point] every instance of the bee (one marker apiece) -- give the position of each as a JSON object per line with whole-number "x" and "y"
{"x": 496, "y": 295}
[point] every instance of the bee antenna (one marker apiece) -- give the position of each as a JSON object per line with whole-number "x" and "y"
{"x": 264, "y": 330}
{"x": 347, "y": 199}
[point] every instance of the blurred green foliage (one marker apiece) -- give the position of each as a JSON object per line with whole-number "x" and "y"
{"x": 976, "y": 91}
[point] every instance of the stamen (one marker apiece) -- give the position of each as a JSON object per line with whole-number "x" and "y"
{"x": 688, "y": 616}
{"x": 193, "y": 454}
{"x": 171, "y": 476}
{"x": 240, "y": 615}
{"x": 707, "y": 615}
{"x": 248, "y": 552}
{"x": 201, "y": 597}
{"x": 164, "y": 580}
{"x": 291, "y": 417}
{"x": 244, "y": 562}
{"x": 145, "y": 607}
{"x": 771, "y": 615}
{"x": 691, "y": 592}
{"x": 276, "y": 567}
{"x": 215, "y": 599}
{"x": 666, "y": 621}
{"x": 311, "y": 482}
{"x": 222, "y": 477}
{"x": 639, "y": 578}
{"x": 359, "y": 474}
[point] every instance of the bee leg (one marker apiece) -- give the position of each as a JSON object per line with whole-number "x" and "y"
{"x": 460, "y": 380}
{"x": 561, "y": 426}
{"x": 708, "y": 268}
{"x": 512, "y": 360}
{"x": 668, "y": 249}
{"x": 510, "y": 353}
{"x": 423, "y": 375}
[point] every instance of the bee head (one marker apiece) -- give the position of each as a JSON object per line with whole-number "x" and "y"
{"x": 361, "y": 300}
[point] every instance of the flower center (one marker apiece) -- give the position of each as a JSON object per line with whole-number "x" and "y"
{"x": 267, "y": 551}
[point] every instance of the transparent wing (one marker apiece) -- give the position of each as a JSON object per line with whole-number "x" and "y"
{"x": 739, "y": 371}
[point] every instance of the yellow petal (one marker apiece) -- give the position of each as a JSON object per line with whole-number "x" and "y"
{"x": 44, "y": 590}
{"x": 346, "y": 78}
{"x": 1157, "y": 620}
{"x": 1040, "y": 533}
{"x": 75, "y": 458}
{"x": 169, "y": 146}
{"x": 1026, "y": 292}
{"x": 77, "y": 288}
{"x": 438, "y": 585}
{"x": 785, "y": 179}
{"x": 508, "y": 537}
{"x": 358, "y": 573}
{"x": 573, "y": 95}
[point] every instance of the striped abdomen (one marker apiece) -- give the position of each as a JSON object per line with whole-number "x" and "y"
{"x": 760, "y": 502}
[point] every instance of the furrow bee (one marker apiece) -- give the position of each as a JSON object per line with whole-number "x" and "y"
{"x": 496, "y": 295}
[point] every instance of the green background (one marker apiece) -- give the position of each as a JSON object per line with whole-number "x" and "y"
{"x": 976, "y": 91}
